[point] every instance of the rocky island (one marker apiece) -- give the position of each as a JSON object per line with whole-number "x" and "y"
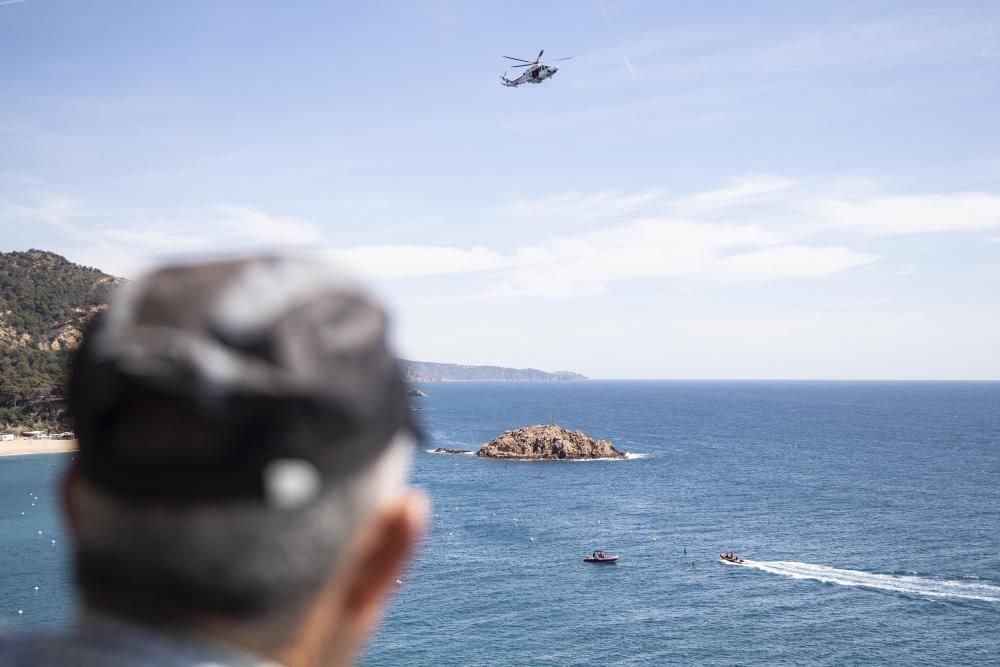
{"x": 547, "y": 442}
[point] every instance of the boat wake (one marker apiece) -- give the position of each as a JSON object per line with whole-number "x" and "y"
{"x": 629, "y": 456}
{"x": 905, "y": 584}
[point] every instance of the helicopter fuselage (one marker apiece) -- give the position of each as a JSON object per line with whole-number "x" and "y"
{"x": 535, "y": 74}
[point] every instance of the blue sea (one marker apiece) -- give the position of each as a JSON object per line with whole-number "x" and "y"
{"x": 869, "y": 515}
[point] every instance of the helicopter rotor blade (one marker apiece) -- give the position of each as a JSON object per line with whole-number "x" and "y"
{"x": 558, "y": 59}
{"x": 539, "y": 55}
{"x": 524, "y": 65}
{"x": 520, "y": 60}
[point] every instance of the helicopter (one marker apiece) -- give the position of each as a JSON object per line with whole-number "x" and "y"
{"x": 536, "y": 72}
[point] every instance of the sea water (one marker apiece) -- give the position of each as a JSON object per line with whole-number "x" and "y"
{"x": 869, "y": 515}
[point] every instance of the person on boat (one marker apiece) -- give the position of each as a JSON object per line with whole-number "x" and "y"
{"x": 240, "y": 494}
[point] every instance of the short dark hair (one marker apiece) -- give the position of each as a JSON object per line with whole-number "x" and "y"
{"x": 238, "y": 560}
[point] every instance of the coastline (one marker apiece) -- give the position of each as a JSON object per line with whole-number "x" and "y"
{"x": 26, "y": 447}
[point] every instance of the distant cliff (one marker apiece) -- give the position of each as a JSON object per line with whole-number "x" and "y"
{"x": 45, "y": 304}
{"x": 426, "y": 371}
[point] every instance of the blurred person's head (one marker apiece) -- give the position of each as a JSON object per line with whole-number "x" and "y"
{"x": 245, "y": 442}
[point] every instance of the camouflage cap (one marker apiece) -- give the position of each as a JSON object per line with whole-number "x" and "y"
{"x": 266, "y": 377}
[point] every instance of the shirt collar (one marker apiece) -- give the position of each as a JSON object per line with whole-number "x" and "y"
{"x": 169, "y": 645}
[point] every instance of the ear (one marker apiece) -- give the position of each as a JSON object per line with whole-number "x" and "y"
{"x": 384, "y": 549}
{"x": 345, "y": 612}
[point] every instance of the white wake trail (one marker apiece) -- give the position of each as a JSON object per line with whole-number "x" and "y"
{"x": 906, "y": 584}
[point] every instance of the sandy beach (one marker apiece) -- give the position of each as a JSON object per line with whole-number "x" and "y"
{"x": 24, "y": 447}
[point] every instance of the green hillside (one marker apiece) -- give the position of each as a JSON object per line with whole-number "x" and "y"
{"x": 45, "y": 303}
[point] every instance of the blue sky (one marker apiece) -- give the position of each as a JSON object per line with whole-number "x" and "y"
{"x": 707, "y": 190}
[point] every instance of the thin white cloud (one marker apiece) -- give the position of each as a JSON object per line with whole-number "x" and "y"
{"x": 911, "y": 214}
{"x": 156, "y": 241}
{"x": 589, "y": 263}
{"x": 905, "y": 39}
{"x": 582, "y": 207}
{"x": 136, "y": 238}
{"x": 410, "y": 261}
{"x": 56, "y": 211}
{"x": 757, "y": 229}
{"x": 753, "y": 188}
{"x": 254, "y": 227}
{"x": 857, "y": 208}
{"x": 791, "y": 261}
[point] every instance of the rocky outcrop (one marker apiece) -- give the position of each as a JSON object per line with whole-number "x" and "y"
{"x": 68, "y": 337}
{"x": 46, "y": 301}
{"x": 548, "y": 441}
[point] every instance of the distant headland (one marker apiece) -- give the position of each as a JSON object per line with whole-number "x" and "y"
{"x": 427, "y": 371}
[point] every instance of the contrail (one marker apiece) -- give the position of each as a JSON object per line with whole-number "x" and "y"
{"x": 628, "y": 63}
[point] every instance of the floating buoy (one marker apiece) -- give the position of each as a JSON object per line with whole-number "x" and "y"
{"x": 39, "y": 532}
{"x": 36, "y": 588}
{"x": 399, "y": 582}
{"x": 53, "y": 541}
{"x": 20, "y": 611}
{"x": 654, "y": 539}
